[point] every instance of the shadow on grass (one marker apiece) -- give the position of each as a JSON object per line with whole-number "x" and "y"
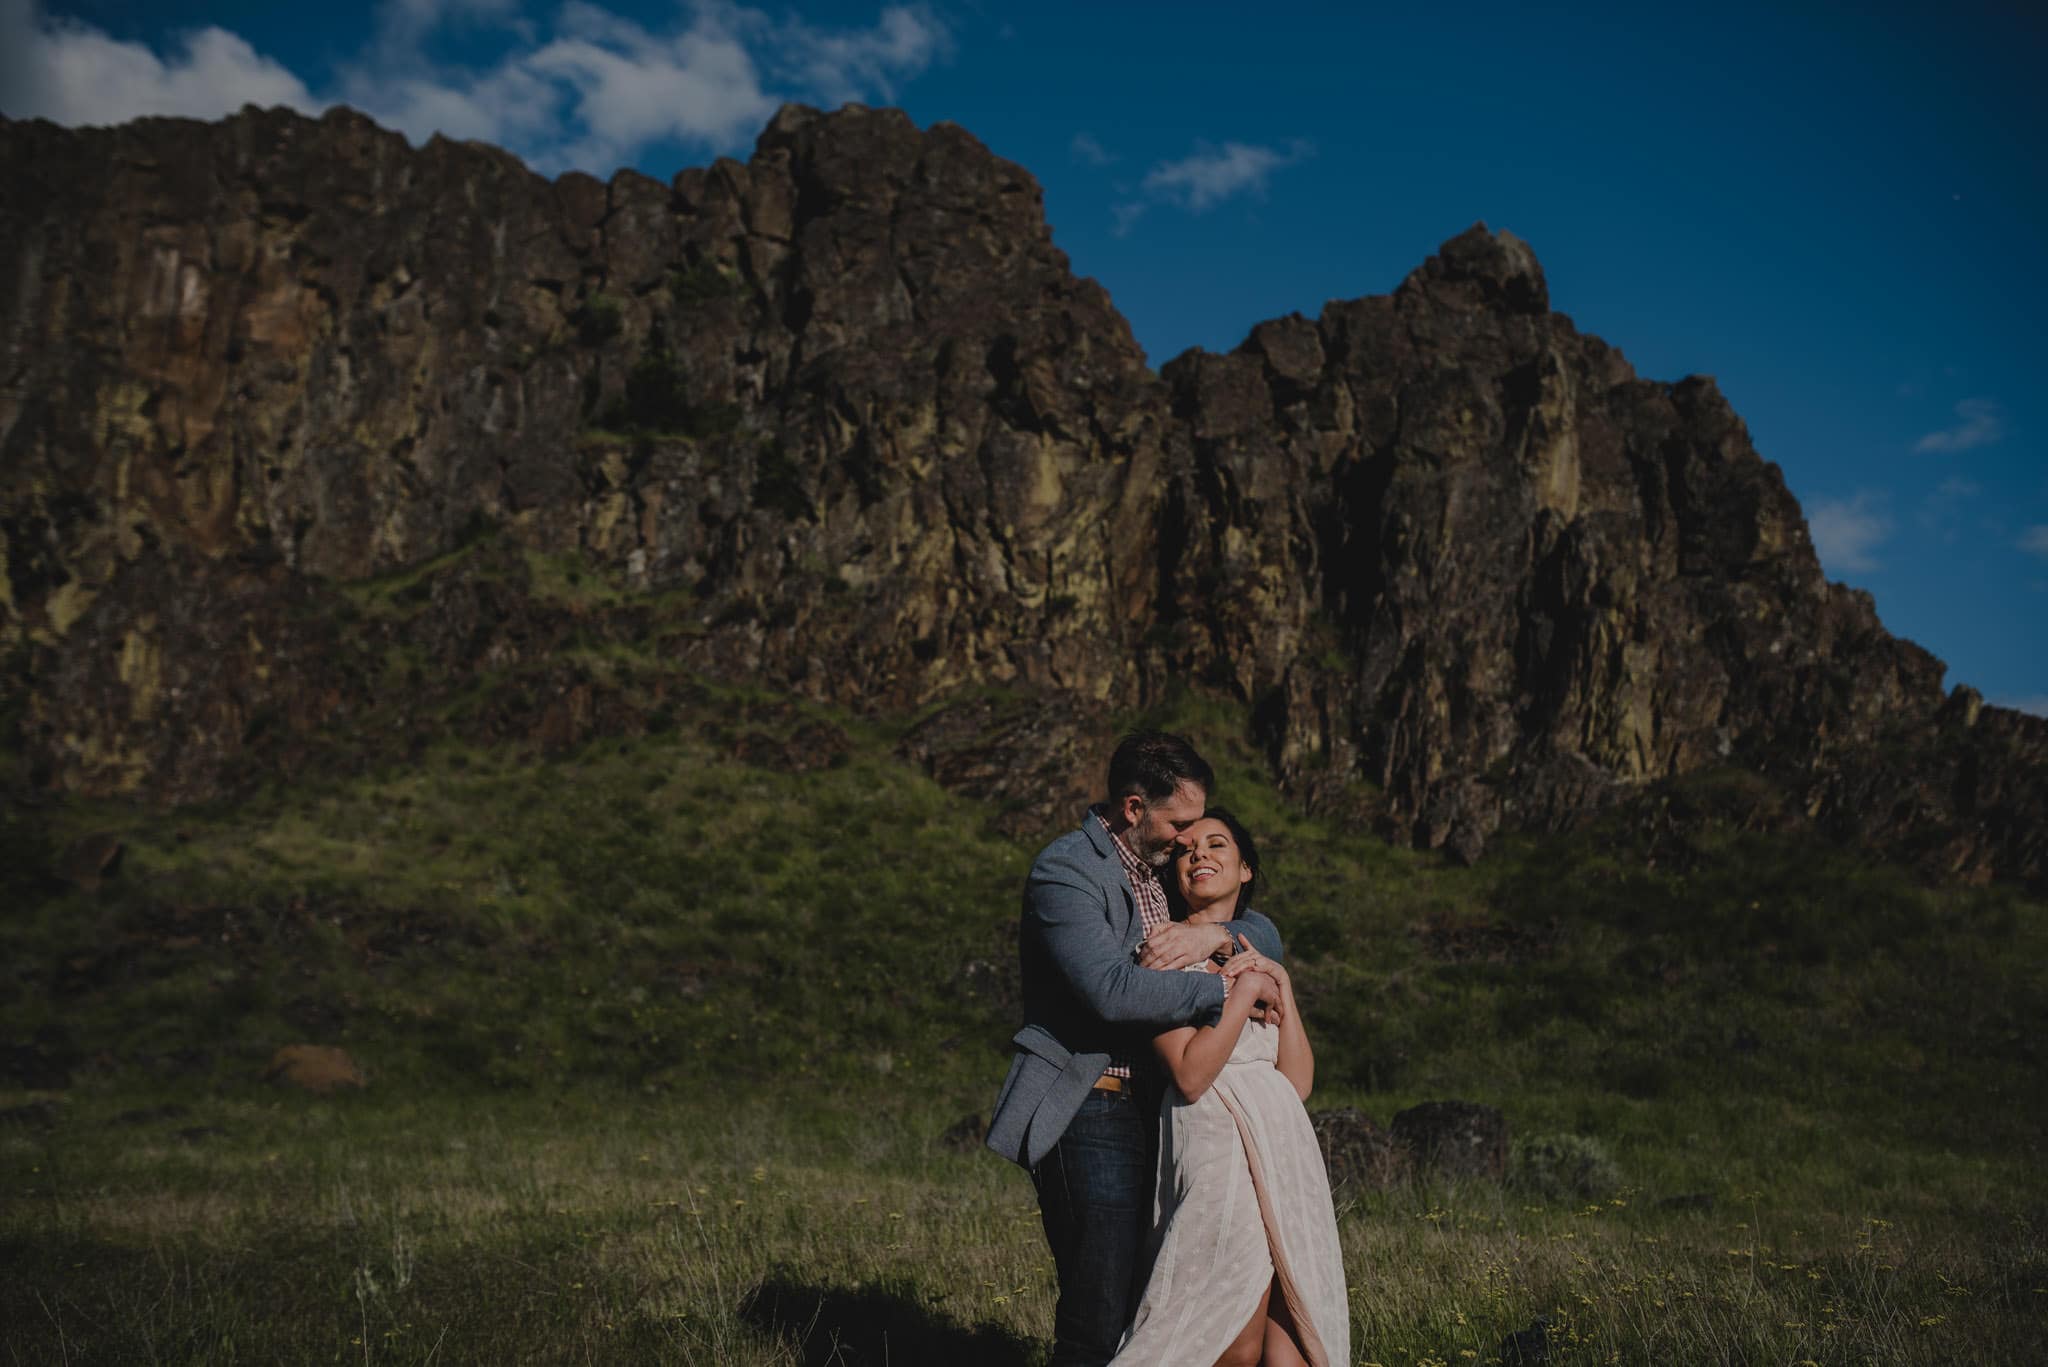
{"x": 868, "y": 1326}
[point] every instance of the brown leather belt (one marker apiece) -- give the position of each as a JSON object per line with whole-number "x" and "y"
{"x": 1110, "y": 1083}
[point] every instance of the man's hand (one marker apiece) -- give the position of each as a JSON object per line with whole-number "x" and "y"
{"x": 1178, "y": 944}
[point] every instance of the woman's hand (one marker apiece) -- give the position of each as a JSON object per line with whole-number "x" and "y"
{"x": 1269, "y": 999}
{"x": 1249, "y": 960}
{"x": 1261, "y": 985}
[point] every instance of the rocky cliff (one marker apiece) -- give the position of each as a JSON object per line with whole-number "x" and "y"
{"x": 318, "y": 447}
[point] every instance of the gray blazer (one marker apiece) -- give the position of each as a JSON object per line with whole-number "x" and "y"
{"x": 1085, "y": 998}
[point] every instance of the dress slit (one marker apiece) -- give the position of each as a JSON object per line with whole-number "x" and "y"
{"x": 1283, "y": 1269}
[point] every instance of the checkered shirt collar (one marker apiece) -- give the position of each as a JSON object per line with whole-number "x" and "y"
{"x": 1146, "y": 889}
{"x": 1134, "y": 866}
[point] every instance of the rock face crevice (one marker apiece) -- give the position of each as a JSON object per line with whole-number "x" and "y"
{"x": 840, "y": 419}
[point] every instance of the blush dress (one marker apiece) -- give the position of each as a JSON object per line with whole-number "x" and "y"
{"x": 1243, "y": 1197}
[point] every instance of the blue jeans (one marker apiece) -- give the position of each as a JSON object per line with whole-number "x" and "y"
{"x": 1095, "y": 1197}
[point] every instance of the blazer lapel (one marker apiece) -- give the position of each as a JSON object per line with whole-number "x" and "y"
{"x": 1119, "y": 902}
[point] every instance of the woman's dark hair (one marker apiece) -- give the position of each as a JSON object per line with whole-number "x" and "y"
{"x": 1247, "y": 854}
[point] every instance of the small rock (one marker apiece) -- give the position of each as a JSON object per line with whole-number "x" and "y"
{"x": 92, "y": 859}
{"x": 316, "y": 1068}
{"x": 812, "y": 746}
{"x": 817, "y": 745}
{"x": 149, "y": 1114}
{"x": 759, "y": 749}
{"x": 1688, "y": 1200}
{"x": 41, "y": 1115}
{"x": 1526, "y": 1347}
{"x": 1454, "y": 1138}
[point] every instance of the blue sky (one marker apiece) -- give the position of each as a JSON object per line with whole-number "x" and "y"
{"x": 1835, "y": 210}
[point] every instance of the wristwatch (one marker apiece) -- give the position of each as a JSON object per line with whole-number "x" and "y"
{"x": 1229, "y": 946}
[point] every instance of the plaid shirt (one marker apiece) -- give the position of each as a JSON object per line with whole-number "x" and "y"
{"x": 1152, "y": 914}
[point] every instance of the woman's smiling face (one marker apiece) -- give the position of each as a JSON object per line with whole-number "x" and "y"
{"x": 1208, "y": 865}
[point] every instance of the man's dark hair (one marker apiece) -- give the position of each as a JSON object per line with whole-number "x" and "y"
{"x": 1153, "y": 764}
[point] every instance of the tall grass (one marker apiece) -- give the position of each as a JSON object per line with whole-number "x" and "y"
{"x": 662, "y": 1045}
{"x": 584, "y": 1229}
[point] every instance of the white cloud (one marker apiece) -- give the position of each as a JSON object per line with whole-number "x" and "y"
{"x": 601, "y": 88}
{"x": 510, "y": 106}
{"x": 1981, "y": 422}
{"x": 2034, "y": 541}
{"x": 1086, "y": 149}
{"x": 1209, "y": 175}
{"x": 1124, "y": 217}
{"x": 1846, "y": 532}
{"x": 72, "y": 73}
{"x": 851, "y": 65}
{"x": 628, "y": 88}
{"x": 589, "y": 89}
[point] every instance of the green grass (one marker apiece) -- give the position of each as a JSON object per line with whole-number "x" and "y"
{"x": 596, "y": 992}
{"x": 522, "y": 1230}
{"x": 584, "y": 1227}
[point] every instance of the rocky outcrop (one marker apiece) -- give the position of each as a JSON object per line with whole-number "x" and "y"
{"x": 1451, "y": 546}
{"x": 313, "y": 444}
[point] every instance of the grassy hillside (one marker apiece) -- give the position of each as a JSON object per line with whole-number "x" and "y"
{"x": 686, "y": 1031}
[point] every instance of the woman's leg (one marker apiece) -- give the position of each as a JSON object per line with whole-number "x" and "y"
{"x": 1280, "y": 1347}
{"x": 1244, "y": 1350}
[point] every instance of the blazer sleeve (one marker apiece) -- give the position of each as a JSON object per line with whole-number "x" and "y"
{"x": 1264, "y": 935}
{"x": 1063, "y": 908}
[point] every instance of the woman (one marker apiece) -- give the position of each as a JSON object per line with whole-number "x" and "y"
{"x": 1248, "y": 1268}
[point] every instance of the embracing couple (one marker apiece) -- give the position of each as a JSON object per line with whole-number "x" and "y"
{"x": 1156, "y": 1095}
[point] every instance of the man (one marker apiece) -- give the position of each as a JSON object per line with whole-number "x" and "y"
{"x": 1080, "y": 1108}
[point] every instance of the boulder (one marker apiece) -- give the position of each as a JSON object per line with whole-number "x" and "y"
{"x": 315, "y": 1068}
{"x": 1454, "y": 1139}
